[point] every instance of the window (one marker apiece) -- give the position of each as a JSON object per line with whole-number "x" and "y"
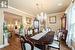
{"x": 71, "y": 25}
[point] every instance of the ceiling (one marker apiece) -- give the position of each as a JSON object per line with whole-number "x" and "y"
{"x": 36, "y": 6}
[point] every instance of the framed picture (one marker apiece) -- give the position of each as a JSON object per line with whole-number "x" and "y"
{"x": 52, "y": 19}
{"x": 28, "y": 20}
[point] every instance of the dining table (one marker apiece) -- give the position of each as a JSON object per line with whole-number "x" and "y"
{"x": 42, "y": 39}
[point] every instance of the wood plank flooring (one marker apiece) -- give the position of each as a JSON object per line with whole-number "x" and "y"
{"x": 14, "y": 44}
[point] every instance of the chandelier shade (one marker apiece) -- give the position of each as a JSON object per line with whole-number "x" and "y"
{"x": 42, "y": 16}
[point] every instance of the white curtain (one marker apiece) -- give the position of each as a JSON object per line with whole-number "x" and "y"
{"x": 71, "y": 24}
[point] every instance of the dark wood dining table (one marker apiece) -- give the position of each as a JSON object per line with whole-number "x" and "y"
{"x": 43, "y": 41}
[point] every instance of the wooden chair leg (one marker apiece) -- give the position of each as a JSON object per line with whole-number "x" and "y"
{"x": 59, "y": 49}
{"x": 47, "y": 48}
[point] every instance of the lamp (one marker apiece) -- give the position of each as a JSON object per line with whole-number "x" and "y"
{"x": 36, "y": 23}
{"x": 16, "y": 23}
{"x": 36, "y": 26}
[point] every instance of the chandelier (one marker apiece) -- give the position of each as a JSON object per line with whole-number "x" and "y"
{"x": 42, "y": 16}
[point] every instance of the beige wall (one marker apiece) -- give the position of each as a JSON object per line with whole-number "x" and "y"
{"x": 1, "y": 26}
{"x": 57, "y": 25}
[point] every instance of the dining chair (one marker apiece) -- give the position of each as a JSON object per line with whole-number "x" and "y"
{"x": 27, "y": 45}
{"x": 56, "y": 42}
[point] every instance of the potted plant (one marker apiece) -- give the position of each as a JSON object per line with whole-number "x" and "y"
{"x": 5, "y": 33}
{"x": 21, "y": 29}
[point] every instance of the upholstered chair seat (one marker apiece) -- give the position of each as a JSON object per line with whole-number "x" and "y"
{"x": 28, "y": 47}
{"x": 27, "y": 44}
{"x": 56, "y": 42}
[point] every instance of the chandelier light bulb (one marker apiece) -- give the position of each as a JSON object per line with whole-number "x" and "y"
{"x": 45, "y": 16}
{"x": 42, "y": 16}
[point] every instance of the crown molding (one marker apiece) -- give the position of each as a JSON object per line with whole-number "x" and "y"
{"x": 56, "y": 13}
{"x": 9, "y": 7}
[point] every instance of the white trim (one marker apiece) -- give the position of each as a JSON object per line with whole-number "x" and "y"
{"x": 55, "y": 13}
{"x": 73, "y": 48}
{"x": 19, "y": 10}
{"x": 69, "y": 7}
{"x": 4, "y": 45}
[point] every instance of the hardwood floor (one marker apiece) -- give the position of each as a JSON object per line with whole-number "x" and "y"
{"x": 64, "y": 46}
{"x": 14, "y": 44}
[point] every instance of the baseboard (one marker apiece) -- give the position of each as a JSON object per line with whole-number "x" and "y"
{"x": 4, "y": 45}
{"x": 73, "y": 48}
